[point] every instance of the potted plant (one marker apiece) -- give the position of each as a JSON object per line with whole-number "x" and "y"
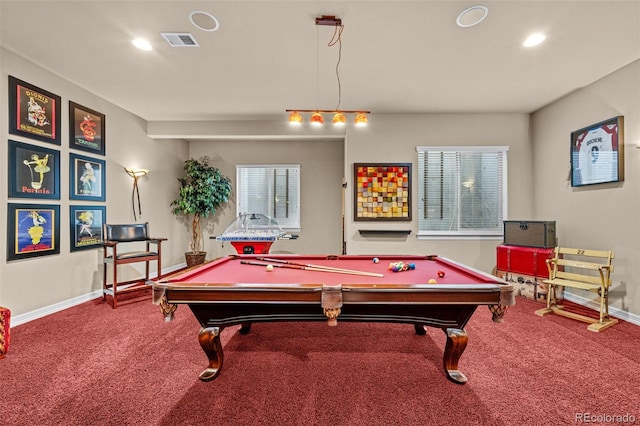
{"x": 203, "y": 190}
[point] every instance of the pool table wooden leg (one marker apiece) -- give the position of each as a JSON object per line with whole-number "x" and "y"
{"x": 209, "y": 339}
{"x": 456, "y": 344}
{"x": 497, "y": 312}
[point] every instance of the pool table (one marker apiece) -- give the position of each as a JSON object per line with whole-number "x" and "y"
{"x": 241, "y": 289}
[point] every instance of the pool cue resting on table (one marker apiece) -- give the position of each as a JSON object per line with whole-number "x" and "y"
{"x": 330, "y": 268}
{"x": 267, "y": 259}
{"x": 308, "y": 267}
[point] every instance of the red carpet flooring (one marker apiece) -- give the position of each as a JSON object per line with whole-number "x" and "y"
{"x": 91, "y": 365}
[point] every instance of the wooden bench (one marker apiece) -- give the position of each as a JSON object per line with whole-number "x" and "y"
{"x": 588, "y": 270}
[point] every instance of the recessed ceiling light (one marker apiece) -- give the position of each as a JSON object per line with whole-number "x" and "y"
{"x": 204, "y": 21}
{"x": 472, "y": 16}
{"x": 142, "y": 44}
{"x": 534, "y": 40}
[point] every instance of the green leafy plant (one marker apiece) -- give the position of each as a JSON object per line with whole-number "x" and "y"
{"x": 203, "y": 190}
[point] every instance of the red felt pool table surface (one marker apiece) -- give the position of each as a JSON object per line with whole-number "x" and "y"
{"x": 239, "y": 289}
{"x": 230, "y": 270}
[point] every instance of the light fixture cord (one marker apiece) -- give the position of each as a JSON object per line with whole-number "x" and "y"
{"x": 337, "y": 38}
{"x": 317, "y": 64}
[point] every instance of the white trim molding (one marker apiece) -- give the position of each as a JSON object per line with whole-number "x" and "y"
{"x": 65, "y": 304}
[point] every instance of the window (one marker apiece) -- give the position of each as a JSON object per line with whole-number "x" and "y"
{"x": 273, "y": 191}
{"x": 462, "y": 191}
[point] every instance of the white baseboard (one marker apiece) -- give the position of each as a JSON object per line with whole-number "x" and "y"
{"x": 52, "y": 309}
{"x": 65, "y": 304}
{"x": 614, "y": 312}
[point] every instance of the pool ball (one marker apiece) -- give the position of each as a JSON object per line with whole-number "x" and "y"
{"x": 432, "y": 281}
{"x": 376, "y": 260}
{"x": 441, "y": 274}
{"x": 269, "y": 268}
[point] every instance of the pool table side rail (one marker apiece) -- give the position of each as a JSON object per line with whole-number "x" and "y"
{"x": 507, "y": 291}
{"x": 309, "y": 293}
{"x": 178, "y": 289}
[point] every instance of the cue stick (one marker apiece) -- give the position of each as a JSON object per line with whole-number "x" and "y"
{"x": 319, "y": 267}
{"x": 344, "y": 241}
{"x": 267, "y": 259}
{"x": 312, "y": 268}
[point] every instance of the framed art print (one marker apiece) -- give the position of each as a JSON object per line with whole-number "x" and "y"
{"x": 382, "y": 192}
{"x": 86, "y": 178}
{"x": 86, "y": 129}
{"x": 33, "y": 230}
{"x": 597, "y": 153}
{"x": 34, "y": 172}
{"x": 33, "y": 112}
{"x": 86, "y": 226}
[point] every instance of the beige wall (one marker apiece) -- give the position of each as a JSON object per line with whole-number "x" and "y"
{"x": 537, "y": 170}
{"x": 388, "y": 138}
{"x": 394, "y": 138}
{"x": 32, "y": 284}
{"x": 321, "y": 164}
{"x": 601, "y": 216}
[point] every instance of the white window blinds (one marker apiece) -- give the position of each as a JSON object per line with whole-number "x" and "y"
{"x": 462, "y": 191}
{"x": 273, "y": 191}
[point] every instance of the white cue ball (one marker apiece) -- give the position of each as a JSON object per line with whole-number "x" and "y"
{"x": 269, "y": 268}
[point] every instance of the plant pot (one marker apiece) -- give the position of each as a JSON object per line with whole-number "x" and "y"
{"x": 195, "y": 258}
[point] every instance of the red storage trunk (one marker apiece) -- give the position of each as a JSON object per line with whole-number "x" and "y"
{"x": 5, "y": 316}
{"x": 524, "y": 260}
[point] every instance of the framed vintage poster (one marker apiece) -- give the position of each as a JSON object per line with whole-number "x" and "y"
{"x": 86, "y": 129}
{"x": 33, "y": 230}
{"x": 86, "y": 226}
{"x": 382, "y": 191}
{"x": 86, "y": 178}
{"x": 34, "y": 172}
{"x": 33, "y": 112}
{"x": 597, "y": 153}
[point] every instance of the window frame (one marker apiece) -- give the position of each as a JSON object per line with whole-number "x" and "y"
{"x": 272, "y": 168}
{"x": 475, "y": 234}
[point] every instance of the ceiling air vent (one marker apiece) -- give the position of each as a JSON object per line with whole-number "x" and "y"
{"x": 180, "y": 39}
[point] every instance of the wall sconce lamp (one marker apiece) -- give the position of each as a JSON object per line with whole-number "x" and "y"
{"x": 136, "y": 174}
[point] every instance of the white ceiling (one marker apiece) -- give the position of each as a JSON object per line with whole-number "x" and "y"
{"x": 268, "y": 56}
